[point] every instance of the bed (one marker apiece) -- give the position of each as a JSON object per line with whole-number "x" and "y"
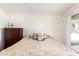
{"x": 30, "y": 47}
{"x": 75, "y": 38}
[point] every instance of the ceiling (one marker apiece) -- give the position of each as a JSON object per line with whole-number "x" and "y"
{"x": 75, "y": 17}
{"x": 49, "y": 8}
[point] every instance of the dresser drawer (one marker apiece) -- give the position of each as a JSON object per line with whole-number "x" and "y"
{"x": 12, "y": 35}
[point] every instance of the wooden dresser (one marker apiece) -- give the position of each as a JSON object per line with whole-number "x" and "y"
{"x": 12, "y": 35}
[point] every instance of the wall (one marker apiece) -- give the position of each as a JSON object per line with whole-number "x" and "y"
{"x": 53, "y": 25}
{"x": 3, "y": 20}
{"x": 74, "y": 9}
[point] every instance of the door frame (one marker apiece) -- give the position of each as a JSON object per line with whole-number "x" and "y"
{"x": 69, "y": 27}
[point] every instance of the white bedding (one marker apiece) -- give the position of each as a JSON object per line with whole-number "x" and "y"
{"x": 30, "y": 47}
{"x": 75, "y": 37}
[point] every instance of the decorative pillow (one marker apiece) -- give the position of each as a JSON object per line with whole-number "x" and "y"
{"x": 39, "y": 36}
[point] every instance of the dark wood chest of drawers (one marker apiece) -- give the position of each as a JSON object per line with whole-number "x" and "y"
{"x": 12, "y": 35}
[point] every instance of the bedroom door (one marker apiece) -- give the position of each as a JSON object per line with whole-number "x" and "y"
{"x": 72, "y": 29}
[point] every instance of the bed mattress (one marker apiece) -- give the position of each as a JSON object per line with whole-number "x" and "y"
{"x": 30, "y": 47}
